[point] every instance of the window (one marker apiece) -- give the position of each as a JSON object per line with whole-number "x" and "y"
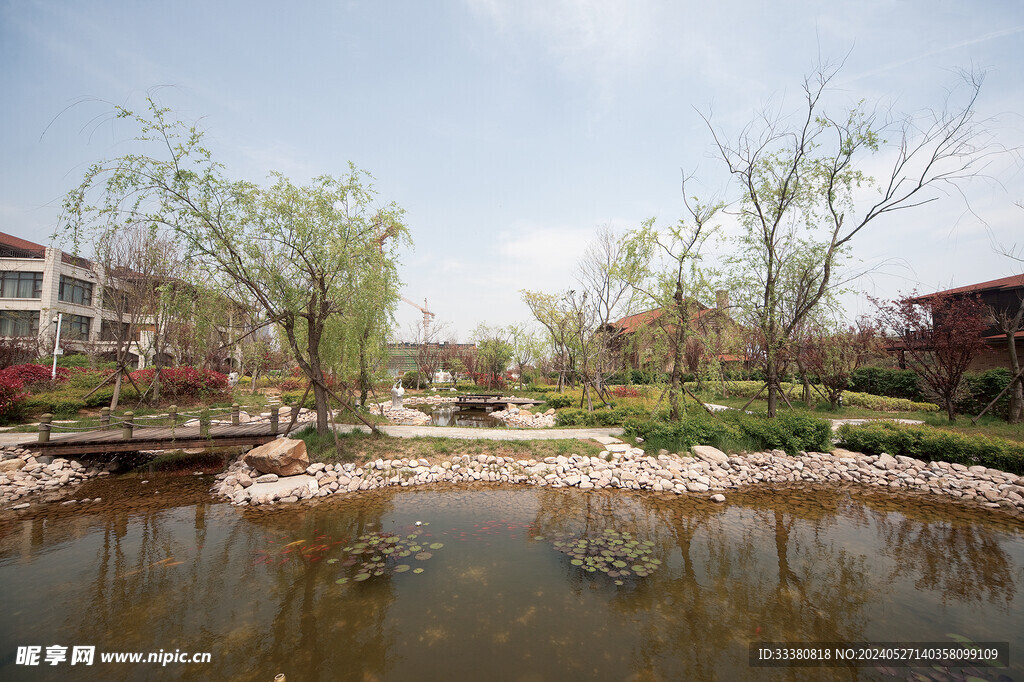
{"x": 75, "y": 290}
{"x": 110, "y": 332}
{"x": 19, "y": 323}
{"x": 21, "y": 284}
{"x": 75, "y": 328}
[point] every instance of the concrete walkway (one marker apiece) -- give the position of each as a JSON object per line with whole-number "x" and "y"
{"x": 467, "y": 433}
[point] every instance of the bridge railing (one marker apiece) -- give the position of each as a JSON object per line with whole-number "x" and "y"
{"x": 172, "y": 419}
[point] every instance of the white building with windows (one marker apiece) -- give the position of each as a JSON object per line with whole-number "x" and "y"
{"x": 38, "y": 282}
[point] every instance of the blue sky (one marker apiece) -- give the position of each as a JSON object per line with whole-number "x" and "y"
{"x": 509, "y": 131}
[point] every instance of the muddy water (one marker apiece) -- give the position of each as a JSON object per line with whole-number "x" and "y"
{"x": 449, "y": 415}
{"x": 156, "y": 566}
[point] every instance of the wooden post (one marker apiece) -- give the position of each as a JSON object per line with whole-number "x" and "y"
{"x": 273, "y": 419}
{"x": 204, "y": 424}
{"x": 128, "y": 426}
{"x": 234, "y": 415}
{"x": 172, "y": 412}
{"x": 44, "y": 427}
{"x": 105, "y": 418}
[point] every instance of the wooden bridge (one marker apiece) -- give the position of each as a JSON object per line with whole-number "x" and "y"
{"x": 492, "y": 402}
{"x": 131, "y": 434}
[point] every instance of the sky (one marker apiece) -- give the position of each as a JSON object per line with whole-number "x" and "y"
{"x": 510, "y": 131}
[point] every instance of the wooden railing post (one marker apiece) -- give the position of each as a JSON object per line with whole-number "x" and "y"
{"x": 172, "y": 412}
{"x": 128, "y": 426}
{"x": 104, "y": 418}
{"x": 44, "y": 427}
{"x": 274, "y": 412}
{"x": 234, "y": 414}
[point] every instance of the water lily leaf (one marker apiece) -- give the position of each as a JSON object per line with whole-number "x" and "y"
{"x": 576, "y": 562}
{"x": 436, "y": 545}
{"x": 415, "y": 548}
{"x": 378, "y": 572}
{"x": 359, "y": 545}
{"x": 538, "y": 537}
{"x": 619, "y": 564}
{"x": 391, "y": 539}
{"x": 346, "y": 549}
{"x": 404, "y": 553}
{"x": 417, "y": 570}
{"x": 332, "y": 561}
{"x": 377, "y": 557}
{"x": 591, "y": 569}
{"x": 402, "y": 568}
{"x": 619, "y": 582}
{"x": 341, "y": 581}
{"x": 359, "y": 577}
{"x": 423, "y": 556}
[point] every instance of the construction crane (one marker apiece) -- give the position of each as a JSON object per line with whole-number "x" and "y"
{"x": 426, "y": 316}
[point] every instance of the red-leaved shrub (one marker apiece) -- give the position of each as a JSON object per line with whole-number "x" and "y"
{"x": 185, "y": 383}
{"x": 11, "y": 394}
{"x": 32, "y": 375}
{"x": 624, "y": 392}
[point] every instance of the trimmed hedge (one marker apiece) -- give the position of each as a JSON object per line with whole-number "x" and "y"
{"x": 933, "y": 445}
{"x": 891, "y": 383}
{"x": 747, "y": 389}
{"x": 559, "y": 401}
{"x": 792, "y": 433}
{"x": 600, "y": 417}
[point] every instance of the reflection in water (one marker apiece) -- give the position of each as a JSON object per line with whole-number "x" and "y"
{"x": 257, "y": 587}
{"x": 449, "y": 415}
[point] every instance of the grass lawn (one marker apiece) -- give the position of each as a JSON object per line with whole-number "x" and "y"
{"x": 359, "y": 447}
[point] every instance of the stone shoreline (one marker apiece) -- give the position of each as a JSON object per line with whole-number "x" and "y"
{"x": 23, "y": 474}
{"x": 620, "y": 466}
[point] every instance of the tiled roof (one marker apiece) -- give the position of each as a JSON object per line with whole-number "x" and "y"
{"x": 10, "y": 241}
{"x": 1004, "y": 283}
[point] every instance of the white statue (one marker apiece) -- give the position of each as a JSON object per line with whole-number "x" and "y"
{"x": 396, "y": 395}
{"x": 233, "y": 379}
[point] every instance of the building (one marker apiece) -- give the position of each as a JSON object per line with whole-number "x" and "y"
{"x": 636, "y": 336}
{"x": 37, "y": 283}
{"x": 1001, "y": 295}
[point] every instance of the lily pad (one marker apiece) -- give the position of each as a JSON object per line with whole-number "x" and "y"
{"x": 417, "y": 570}
{"x": 436, "y": 545}
{"x": 576, "y": 562}
{"x": 402, "y": 568}
{"x": 423, "y": 556}
{"x": 359, "y": 577}
{"x": 341, "y": 581}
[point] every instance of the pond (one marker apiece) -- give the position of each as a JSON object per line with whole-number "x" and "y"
{"x": 449, "y": 415}
{"x": 496, "y": 584}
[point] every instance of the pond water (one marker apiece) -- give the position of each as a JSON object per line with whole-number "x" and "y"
{"x": 449, "y": 415}
{"x": 162, "y": 568}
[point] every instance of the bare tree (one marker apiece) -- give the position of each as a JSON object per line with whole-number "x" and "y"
{"x": 798, "y": 207}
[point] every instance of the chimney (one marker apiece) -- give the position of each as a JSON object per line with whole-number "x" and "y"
{"x": 722, "y": 299}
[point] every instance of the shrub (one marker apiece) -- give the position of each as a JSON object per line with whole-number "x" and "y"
{"x": 892, "y": 383}
{"x": 732, "y": 430}
{"x": 624, "y": 392}
{"x": 789, "y": 432}
{"x": 560, "y": 401}
{"x": 291, "y": 384}
{"x": 411, "y": 379}
{"x": 62, "y": 404}
{"x": 981, "y": 388}
{"x": 11, "y": 396}
{"x": 868, "y": 401}
{"x": 185, "y": 384}
{"x": 933, "y": 444}
{"x": 33, "y": 375}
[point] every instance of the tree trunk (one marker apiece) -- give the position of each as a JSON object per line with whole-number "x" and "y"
{"x": 1016, "y": 412}
{"x": 117, "y": 390}
{"x": 773, "y": 387}
{"x": 950, "y": 411}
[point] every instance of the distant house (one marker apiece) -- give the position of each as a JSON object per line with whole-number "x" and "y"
{"x": 1005, "y": 294}
{"x": 637, "y": 337}
{"x": 38, "y": 282}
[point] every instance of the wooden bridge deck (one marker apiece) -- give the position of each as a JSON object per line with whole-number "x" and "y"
{"x": 493, "y": 401}
{"x": 155, "y": 438}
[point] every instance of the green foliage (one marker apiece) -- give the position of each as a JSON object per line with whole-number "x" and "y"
{"x": 892, "y": 383}
{"x": 980, "y": 388}
{"x": 412, "y": 379}
{"x": 601, "y": 417}
{"x": 731, "y": 431}
{"x": 560, "y": 401}
{"x": 932, "y": 444}
{"x": 747, "y": 389}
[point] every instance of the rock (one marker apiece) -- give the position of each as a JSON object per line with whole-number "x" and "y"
{"x": 709, "y": 454}
{"x": 23, "y": 505}
{"x": 284, "y": 457}
{"x": 11, "y": 465}
{"x": 718, "y": 498}
{"x": 267, "y": 478}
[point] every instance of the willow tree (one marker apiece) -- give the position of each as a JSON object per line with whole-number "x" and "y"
{"x": 801, "y": 206}
{"x": 672, "y": 284}
{"x": 296, "y": 251}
